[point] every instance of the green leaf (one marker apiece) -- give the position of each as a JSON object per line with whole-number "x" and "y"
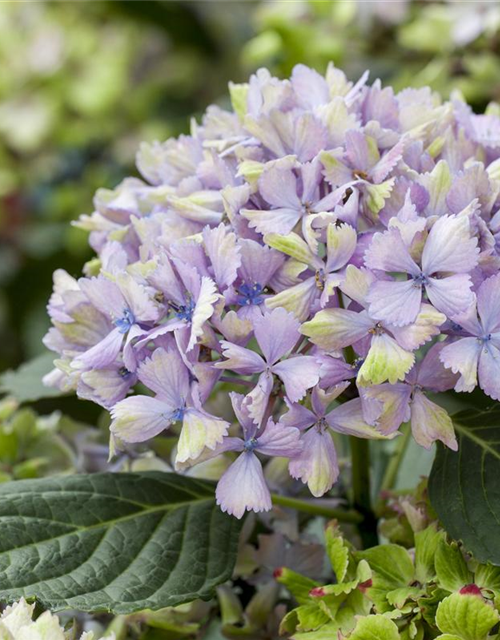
{"x": 467, "y": 616}
{"x": 391, "y": 565}
{"x": 298, "y": 585}
{"x": 451, "y": 569}
{"x": 488, "y": 577}
{"x": 25, "y": 383}
{"x": 337, "y": 551}
{"x": 463, "y": 485}
{"x": 113, "y": 542}
{"x": 375, "y": 628}
{"x": 426, "y": 544}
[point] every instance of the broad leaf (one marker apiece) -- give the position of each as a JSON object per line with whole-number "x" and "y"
{"x": 113, "y": 542}
{"x": 467, "y": 616}
{"x": 25, "y": 383}
{"x": 375, "y": 627}
{"x": 463, "y": 485}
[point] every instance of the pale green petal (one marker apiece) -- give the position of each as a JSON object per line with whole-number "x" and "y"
{"x": 386, "y": 360}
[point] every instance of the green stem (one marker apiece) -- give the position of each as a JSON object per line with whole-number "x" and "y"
{"x": 312, "y": 507}
{"x": 394, "y": 463}
{"x": 360, "y": 461}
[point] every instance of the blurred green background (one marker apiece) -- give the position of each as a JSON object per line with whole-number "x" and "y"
{"x": 82, "y": 83}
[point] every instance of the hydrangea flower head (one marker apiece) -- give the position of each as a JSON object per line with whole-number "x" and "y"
{"x": 328, "y": 249}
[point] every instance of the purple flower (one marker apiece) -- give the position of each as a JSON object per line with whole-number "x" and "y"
{"x": 316, "y": 465}
{"x": 448, "y": 255}
{"x": 477, "y": 356}
{"x": 387, "y": 406}
{"x": 276, "y": 334}
{"x": 140, "y": 418}
{"x": 315, "y": 236}
{"x": 243, "y": 487}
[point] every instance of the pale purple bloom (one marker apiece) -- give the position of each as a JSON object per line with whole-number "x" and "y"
{"x": 243, "y": 487}
{"x": 317, "y": 464}
{"x": 448, "y": 255}
{"x": 140, "y": 418}
{"x": 387, "y": 406}
{"x": 276, "y": 334}
{"x": 293, "y": 195}
{"x": 128, "y": 305}
{"x": 477, "y": 356}
{"x": 314, "y": 236}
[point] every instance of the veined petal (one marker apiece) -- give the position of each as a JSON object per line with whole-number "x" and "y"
{"x": 203, "y": 310}
{"x": 104, "y": 294}
{"x": 394, "y": 401}
{"x": 388, "y": 252}
{"x": 432, "y": 373}
{"x": 341, "y": 242}
{"x": 240, "y": 359}
{"x": 102, "y": 354}
{"x": 243, "y": 487}
{"x": 317, "y": 465}
{"x": 258, "y": 263}
{"x": 294, "y": 246}
{"x": 425, "y": 327}
{"x": 430, "y": 422}
{"x": 277, "y": 333}
{"x": 256, "y": 401}
{"x": 488, "y": 304}
{"x": 450, "y": 247}
{"x": 385, "y": 360}
{"x": 298, "y": 416}
{"x": 165, "y": 374}
{"x": 140, "y": 418}
{"x": 139, "y": 299}
{"x": 348, "y": 418}
{"x": 462, "y": 357}
{"x": 298, "y": 374}
{"x": 489, "y": 371}
{"x": 280, "y": 221}
{"x": 451, "y": 295}
{"x": 357, "y": 283}
{"x": 279, "y": 440}
{"x": 224, "y": 254}
{"x": 395, "y": 302}
{"x": 242, "y": 415}
{"x": 278, "y": 187}
{"x": 199, "y": 431}
{"x": 333, "y": 329}
{"x": 297, "y": 299}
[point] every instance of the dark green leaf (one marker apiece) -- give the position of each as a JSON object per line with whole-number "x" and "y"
{"x": 464, "y": 486}
{"x": 25, "y": 384}
{"x": 113, "y": 542}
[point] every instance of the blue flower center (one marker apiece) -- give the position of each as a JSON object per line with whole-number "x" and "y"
{"x": 123, "y": 372}
{"x": 184, "y": 311}
{"x": 456, "y": 327}
{"x": 484, "y": 339}
{"x": 178, "y": 414}
{"x": 250, "y": 294}
{"x": 420, "y": 280}
{"x": 250, "y": 445}
{"x": 125, "y": 322}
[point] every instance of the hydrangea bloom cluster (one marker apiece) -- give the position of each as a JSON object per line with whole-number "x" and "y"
{"x": 16, "y": 623}
{"x": 330, "y": 249}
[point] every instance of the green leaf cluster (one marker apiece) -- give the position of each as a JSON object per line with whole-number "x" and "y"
{"x": 32, "y": 446}
{"x": 388, "y": 592}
